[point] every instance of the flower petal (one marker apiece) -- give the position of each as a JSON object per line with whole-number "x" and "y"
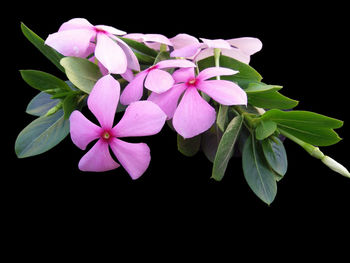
{"x": 187, "y": 51}
{"x": 134, "y": 157}
{"x": 157, "y": 38}
{"x": 223, "y": 91}
{"x": 215, "y": 71}
{"x": 236, "y": 54}
{"x": 141, "y": 118}
{"x": 76, "y": 23}
{"x": 183, "y": 75}
{"x": 134, "y": 90}
{"x": 159, "y": 81}
{"x": 193, "y": 115}
{"x": 175, "y": 63}
{"x": 82, "y": 131}
{"x": 110, "y": 54}
{"x": 204, "y": 53}
{"x": 183, "y": 40}
{"x": 71, "y": 42}
{"x": 128, "y": 75}
{"x": 132, "y": 60}
{"x": 98, "y": 159}
{"x": 111, "y": 30}
{"x": 248, "y": 45}
{"x": 216, "y": 43}
{"x": 168, "y": 100}
{"x": 103, "y": 100}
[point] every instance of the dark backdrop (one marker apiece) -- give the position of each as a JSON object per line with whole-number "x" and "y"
{"x": 303, "y": 48}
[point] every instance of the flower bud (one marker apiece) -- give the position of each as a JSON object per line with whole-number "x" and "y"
{"x": 335, "y": 166}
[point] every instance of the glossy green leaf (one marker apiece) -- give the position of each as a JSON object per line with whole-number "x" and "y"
{"x": 226, "y": 147}
{"x": 271, "y": 100}
{"x": 81, "y": 72}
{"x": 246, "y": 73}
{"x": 41, "y": 135}
{"x": 70, "y": 103}
{"x": 142, "y": 48}
{"x": 257, "y": 172}
{"x": 43, "y": 81}
{"x": 188, "y": 147}
{"x": 164, "y": 55}
{"x": 275, "y": 154}
{"x": 40, "y": 104}
{"x": 310, "y": 127}
{"x": 265, "y": 129}
{"x": 39, "y": 43}
{"x": 261, "y": 87}
{"x": 210, "y": 142}
{"x": 222, "y": 118}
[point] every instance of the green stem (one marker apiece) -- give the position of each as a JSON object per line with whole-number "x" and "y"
{"x": 217, "y": 52}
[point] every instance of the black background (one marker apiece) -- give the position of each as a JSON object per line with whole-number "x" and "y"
{"x": 303, "y": 50}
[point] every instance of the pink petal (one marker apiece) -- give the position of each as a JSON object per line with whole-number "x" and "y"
{"x": 98, "y": 159}
{"x": 134, "y": 90}
{"x": 187, "y": 51}
{"x": 183, "y": 40}
{"x": 157, "y": 38}
{"x": 208, "y": 52}
{"x": 168, "y": 100}
{"x": 128, "y": 75}
{"x": 103, "y": 100}
{"x": 248, "y": 45}
{"x": 223, "y": 91}
{"x": 183, "y": 75}
{"x": 141, "y": 118}
{"x": 103, "y": 70}
{"x": 236, "y": 54}
{"x": 175, "y": 63}
{"x": 82, "y": 131}
{"x": 132, "y": 60}
{"x": 135, "y": 36}
{"x": 71, "y": 42}
{"x": 110, "y": 54}
{"x": 76, "y": 23}
{"x": 134, "y": 157}
{"x": 159, "y": 81}
{"x": 193, "y": 115}
{"x": 215, "y": 71}
{"x": 216, "y": 43}
{"x": 111, "y": 30}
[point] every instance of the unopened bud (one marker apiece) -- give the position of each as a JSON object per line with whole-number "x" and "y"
{"x": 335, "y": 166}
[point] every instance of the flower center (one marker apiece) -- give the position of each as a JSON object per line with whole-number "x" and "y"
{"x": 99, "y": 30}
{"x": 106, "y": 135}
{"x": 192, "y": 82}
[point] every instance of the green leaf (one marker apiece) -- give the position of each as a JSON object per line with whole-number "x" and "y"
{"x": 246, "y": 73}
{"x": 313, "y": 128}
{"x": 226, "y": 147}
{"x": 40, "y": 104}
{"x": 164, "y": 55}
{"x": 275, "y": 155}
{"x": 70, "y": 103}
{"x": 210, "y": 142}
{"x": 41, "y": 135}
{"x": 222, "y": 118}
{"x": 81, "y": 72}
{"x": 39, "y": 43}
{"x": 188, "y": 147}
{"x": 261, "y": 87}
{"x": 265, "y": 129}
{"x": 140, "y": 47}
{"x": 43, "y": 81}
{"x": 257, "y": 172}
{"x": 271, "y": 100}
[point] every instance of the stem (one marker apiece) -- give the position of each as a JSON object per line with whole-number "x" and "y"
{"x": 217, "y": 52}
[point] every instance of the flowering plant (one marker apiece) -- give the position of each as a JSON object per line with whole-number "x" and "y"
{"x": 204, "y": 90}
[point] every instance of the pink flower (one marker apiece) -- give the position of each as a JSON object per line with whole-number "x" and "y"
{"x": 194, "y": 115}
{"x": 77, "y": 36}
{"x": 154, "y": 78}
{"x": 237, "y": 48}
{"x": 141, "y": 118}
{"x": 151, "y": 40}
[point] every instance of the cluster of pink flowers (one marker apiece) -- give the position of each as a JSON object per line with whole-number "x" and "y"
{"x": 173, "y": 96}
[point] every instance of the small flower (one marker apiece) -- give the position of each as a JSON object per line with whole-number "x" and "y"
{"x": 237, "y": 48}
{"x": 154, "y": 78}
{"x": 141, "y": 118}
{"x": 77, "y": 36}
{"x": 151, "y": 40}
{"x": 193, "y": 115}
